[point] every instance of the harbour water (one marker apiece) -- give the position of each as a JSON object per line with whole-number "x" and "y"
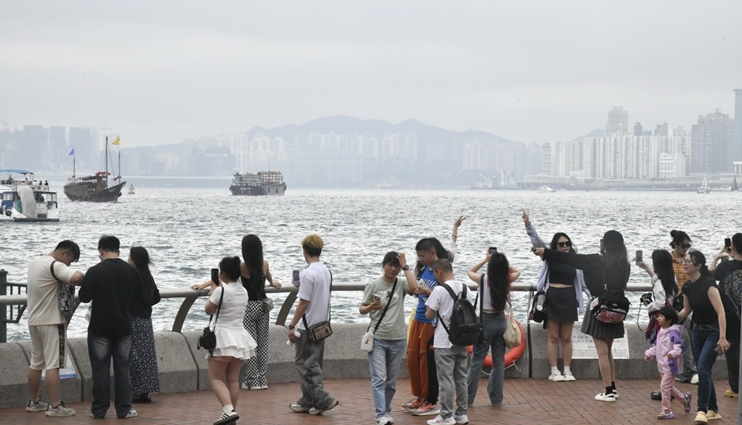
{"x": 187, "y": 231}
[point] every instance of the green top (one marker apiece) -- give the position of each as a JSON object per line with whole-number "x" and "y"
{"x": 393, "y": 326}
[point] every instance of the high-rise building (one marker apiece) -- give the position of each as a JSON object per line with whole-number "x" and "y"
{"x": 737, "y": 154}
{"x": 618, "y": 122}
{"x": 638, "y": 129}
{"x": 712, "y": 144}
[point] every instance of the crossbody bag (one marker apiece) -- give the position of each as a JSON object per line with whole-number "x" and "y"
{"x": 66, "y": 298}
{"x": 367, "y": 341}
{"x": 207, "y": 340}
{"x": 321, "y": 330}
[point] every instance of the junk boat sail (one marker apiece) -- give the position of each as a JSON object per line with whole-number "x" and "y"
{"x": 27, "y": 200}
{"x": 95, "y": 188}
{"x": 263, "y": 183}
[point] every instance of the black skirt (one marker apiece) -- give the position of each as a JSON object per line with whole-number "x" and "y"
{"x": 561, "y": 304}
{"x": 598, "y": 329}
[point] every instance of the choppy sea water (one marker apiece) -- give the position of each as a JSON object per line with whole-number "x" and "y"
{"x": 187, "y": 231}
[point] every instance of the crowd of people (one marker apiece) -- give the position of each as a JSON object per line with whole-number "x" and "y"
{"x": 694, "y": 319}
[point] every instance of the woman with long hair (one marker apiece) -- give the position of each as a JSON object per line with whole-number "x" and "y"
{"x": 564, "y": 286}
{"x": 233, "y": 343}
{"x": 680, "y": 244}
{"x": 494, "y": 290}
{"x": 383, "y": 301}
{"x": 254, "y": 273}
{"x": 143, "y": 372}
{"x": 607, "y": 272}
{"x": 664, "y": 286}
{"x": 702, "y": 297}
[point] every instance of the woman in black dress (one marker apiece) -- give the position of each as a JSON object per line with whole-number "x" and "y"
{"x": 143, "y": 371}
{"x": 604, "y": 272}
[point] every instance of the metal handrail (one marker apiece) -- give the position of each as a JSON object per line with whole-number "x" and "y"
{"x": 190, "y": 295}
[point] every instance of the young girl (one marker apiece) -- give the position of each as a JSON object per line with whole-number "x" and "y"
{"x": 668, "y": 350}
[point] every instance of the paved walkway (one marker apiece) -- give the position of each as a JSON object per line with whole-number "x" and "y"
{"x": 527, "y": 401}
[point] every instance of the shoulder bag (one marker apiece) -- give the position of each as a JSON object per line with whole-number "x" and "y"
{"x": 512, "y": 334}
{"x": 321, "y": 330}
{"x": 610, "y": 307}
{"x": 66, "y": 298}
{"x": 207, "y": 340}
{"x": 367, "y": 340}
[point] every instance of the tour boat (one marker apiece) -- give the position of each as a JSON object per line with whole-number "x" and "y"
{"x": 26, "y": 200}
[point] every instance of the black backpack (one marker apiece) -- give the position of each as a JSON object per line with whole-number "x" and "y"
{"x": 465, "y": 326}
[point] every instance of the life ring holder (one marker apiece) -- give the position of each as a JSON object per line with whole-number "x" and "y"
{"x": 512, "y": 355}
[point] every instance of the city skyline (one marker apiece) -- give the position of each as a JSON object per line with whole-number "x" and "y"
{"x": 162, "y": 72}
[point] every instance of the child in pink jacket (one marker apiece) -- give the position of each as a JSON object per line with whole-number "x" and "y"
{"x": 668, "y": 350}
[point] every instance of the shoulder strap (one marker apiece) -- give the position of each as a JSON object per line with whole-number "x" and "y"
{"x": 481, "y": 299}
{"x": 218, "y": 308}
{"x": 450, "y": 291}
{"x": 51, "y": 269}
{"x": 386, "y": 307}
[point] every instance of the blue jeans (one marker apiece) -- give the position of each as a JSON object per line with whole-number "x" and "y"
{"x": 705, "y": 338}
{"x": 493, "y": 327}
{"x": 384, "y": 362}
{"x": 100, "y": 350}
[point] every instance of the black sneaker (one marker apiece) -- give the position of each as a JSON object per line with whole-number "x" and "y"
{"x": 655, "y": 395}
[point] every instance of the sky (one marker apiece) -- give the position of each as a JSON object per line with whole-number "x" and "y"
{"x": 159, "y": 72}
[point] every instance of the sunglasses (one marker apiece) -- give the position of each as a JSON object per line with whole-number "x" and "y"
{"x": 563, "y": 244}
{"x": 685, "y": 245}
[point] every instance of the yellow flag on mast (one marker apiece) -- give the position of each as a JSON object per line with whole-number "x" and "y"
{"x": 117, "y": 141}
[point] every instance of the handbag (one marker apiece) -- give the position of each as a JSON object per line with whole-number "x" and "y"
{"x": 610, "y": 307}
{"x": 512, "y": 334}
{"x": 367, "y": 340}
{"x": 66, "y": 299}
{"x": 538, "y": 307}
{"x": 267, "y": 305}
{"x": 207, "y": 340}
{"x": 321, "y": 330}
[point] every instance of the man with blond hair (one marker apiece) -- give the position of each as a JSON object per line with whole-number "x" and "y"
{"x": 313, "y": 308}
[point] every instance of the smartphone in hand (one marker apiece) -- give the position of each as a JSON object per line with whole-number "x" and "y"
{"x": 728, "y": 244}
{"x": 215, "y": 276}
{"x": 493, "y": 250}
{"x": 639, "y": 259}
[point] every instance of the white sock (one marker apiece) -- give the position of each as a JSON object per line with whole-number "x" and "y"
{"x": 554, "y": 369}
{"x": 228, "y": 409}
{"x": 566, "y": 369}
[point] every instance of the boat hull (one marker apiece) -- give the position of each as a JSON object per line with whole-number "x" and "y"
{"x": 262, "y": 190}
{"x": 89, "y": 193}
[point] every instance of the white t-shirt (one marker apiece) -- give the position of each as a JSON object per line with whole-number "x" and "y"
{"x": 233, "y": 305}
{"x": 43, "y": 291}
{"x": 442, "y": 302}
{"x": 315, "y": 288}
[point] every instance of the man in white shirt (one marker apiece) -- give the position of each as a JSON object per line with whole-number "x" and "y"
{"x": 48, "y": 326}
{"x": 452, "y": 362}
{"x": 314, "y": 307}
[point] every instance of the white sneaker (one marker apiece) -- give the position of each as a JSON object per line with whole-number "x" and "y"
{"x": 461, "y": 420}
{"x": 384, "y": 420}
{"x": 440, "y": 421}
{"x": 610, "y": 397}
{"x": 568, "y": 376}
{"x": 556, "y": 376}
{"x": 694, "y": 379}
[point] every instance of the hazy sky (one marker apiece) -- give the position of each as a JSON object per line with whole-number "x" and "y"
{"x": 160, "y": 71}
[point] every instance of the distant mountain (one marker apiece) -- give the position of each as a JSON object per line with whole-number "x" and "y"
{"x": 598, "y": 132}
{"x": 341, "y": 124}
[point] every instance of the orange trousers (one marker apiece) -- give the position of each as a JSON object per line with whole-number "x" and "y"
{"x": 420, "y": 361}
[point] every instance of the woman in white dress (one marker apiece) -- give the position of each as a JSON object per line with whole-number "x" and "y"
{"x": 233, "y": 342}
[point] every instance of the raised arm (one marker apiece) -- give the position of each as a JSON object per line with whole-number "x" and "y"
{"x": 473, "y": 272}
{"x": 536, "y": 240}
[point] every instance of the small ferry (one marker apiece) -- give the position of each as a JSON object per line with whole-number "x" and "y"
{"x": 27, "y": 200}
{"x": 545, "y": 189}
{"x": 261, "y": 184}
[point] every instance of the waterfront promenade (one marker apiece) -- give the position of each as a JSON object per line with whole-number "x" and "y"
{"x": 527, "y": 401}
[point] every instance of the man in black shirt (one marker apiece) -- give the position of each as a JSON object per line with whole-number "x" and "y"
{"x": 729, "y": 276}
{"x": 113, "y": 284}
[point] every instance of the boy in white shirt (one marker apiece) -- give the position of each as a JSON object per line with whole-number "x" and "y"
{"x": 452, "y": 362}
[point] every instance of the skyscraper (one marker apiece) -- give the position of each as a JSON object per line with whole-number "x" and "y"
{"x": 712, "y": 144}
{"x": 618, "y": 122}
{"x": 737, "y": 154}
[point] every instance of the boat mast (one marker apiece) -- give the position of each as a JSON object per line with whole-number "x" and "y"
{"x": 106, "y": 158}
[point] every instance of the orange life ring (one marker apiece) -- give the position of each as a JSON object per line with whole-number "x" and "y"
{"x": 512, "y": 355}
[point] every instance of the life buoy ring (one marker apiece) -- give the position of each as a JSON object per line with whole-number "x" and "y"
{"x": 512, "y": 355}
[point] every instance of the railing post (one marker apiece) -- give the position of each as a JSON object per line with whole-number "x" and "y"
{"x": 4, "y": 312}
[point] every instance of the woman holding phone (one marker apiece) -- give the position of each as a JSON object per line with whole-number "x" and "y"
{"x": 607, "y": 272}
{"x": 563, "y": 286}
{"x": 383, "y": 301}
{"x": 701, "y": 296}
{"x": 227, "y": 298}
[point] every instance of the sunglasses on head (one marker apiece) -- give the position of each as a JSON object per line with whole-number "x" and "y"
{"x": 563, "y": 244}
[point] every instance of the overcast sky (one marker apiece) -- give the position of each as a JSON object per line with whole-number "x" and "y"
{"x": 161, "y": 71}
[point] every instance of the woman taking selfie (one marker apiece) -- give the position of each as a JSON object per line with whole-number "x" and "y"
{"x": 701, "y": 296}
{"x": 605, "y": 273}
